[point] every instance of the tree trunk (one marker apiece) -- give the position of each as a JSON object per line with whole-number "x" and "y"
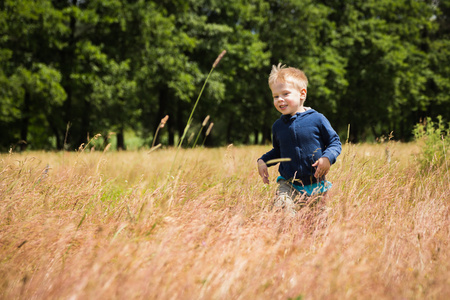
{"x": 67, "y": 62}
{"x": 120, "y": 140}
{"x": 162, "y": 101}
{"x": 180, "y": 125}
{"x": 266, "y": 135}
{"x": 25, "y": 121}
{"x": 256, "y": 133}
{"x": 229, "y": 128}
{"x": 54, "y": 128}
{"x": 85, "y": 123}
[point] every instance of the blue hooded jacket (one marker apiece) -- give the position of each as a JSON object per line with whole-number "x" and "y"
{"x": 304, "y": 138}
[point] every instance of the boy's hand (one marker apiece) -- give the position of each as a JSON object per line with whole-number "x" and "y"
{"x": 323, "y": 166}
{"x": 263, "y": 171}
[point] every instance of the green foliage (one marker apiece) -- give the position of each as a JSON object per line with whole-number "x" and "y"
{"x": 435, "y": 137}
{"x": 120, "y": 66}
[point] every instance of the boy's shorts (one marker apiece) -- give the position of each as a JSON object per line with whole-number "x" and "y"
{"x": 294, "y": 196}
{"x": 310, "y": 190}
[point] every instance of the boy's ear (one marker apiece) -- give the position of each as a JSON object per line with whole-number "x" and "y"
{"x": 303, "y": 93}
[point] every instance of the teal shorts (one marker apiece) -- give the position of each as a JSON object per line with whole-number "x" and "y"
{"x": 312, "y": 189}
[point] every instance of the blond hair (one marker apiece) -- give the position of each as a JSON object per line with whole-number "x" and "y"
{"x": 283, "y": 74}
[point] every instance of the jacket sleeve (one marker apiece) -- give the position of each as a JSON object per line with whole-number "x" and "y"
{"x": 274, "y": 153}
{"x": 333, "y": 146}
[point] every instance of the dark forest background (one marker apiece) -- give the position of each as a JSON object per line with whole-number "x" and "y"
{"x": 70, "y": 69}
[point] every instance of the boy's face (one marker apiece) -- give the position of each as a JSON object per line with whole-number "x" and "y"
{"x": 287, "y": 99}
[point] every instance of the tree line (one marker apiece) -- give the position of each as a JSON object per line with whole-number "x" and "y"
{"x": 72, "y": 69}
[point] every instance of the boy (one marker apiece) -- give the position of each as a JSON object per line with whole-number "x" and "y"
{"x": 301, "y": 135}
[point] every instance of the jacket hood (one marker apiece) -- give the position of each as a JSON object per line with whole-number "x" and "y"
{"x": 289, "y": 118}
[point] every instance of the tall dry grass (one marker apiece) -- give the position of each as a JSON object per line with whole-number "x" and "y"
{"x": 116, "y": 226}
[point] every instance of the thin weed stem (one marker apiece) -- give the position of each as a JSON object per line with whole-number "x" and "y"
{"x": 201, "y": 129}
{"x": 188, "y": 125}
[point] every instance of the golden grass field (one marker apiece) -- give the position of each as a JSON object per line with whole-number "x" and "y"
{"x": 117, "y": 225}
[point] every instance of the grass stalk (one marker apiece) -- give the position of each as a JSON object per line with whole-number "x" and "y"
{"x": 188, "y": 124}
{"x": 205, "y": 121}
{"x": 210, "y": 233}
{"x": 161, "y": 125}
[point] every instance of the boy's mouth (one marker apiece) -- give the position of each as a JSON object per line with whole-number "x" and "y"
{"x": 283, "y": 106}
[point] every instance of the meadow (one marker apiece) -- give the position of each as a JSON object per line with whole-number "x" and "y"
{"x": 140, "y": 225}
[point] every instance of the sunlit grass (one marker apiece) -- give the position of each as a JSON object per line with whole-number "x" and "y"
{"x": 121, "y": 225}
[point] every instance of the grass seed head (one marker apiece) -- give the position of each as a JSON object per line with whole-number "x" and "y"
{"x": 209, "y": 128}
{"x": 191, "y": 137}
{"x": 205, "y": 121}
{"x": 164, "y": 121}
{"x": 221, "y": 55}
